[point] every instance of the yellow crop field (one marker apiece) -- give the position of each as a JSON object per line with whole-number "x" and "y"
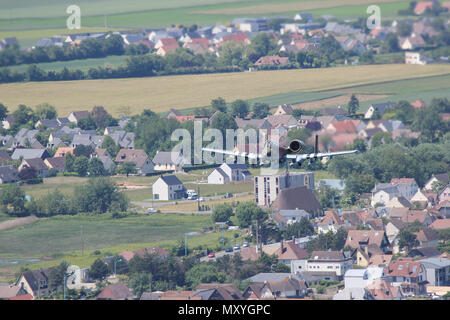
{"x": 189, "y": 91}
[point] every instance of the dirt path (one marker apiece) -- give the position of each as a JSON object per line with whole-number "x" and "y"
{"x": 11, "y": 224}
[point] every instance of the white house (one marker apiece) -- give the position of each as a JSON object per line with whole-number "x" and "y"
{"x": 228, "y": 172}
{"x": 168, "y": 188}
{"x": 332, "y": 262}
{"x": 383, "y": 193}
{"x": 79, "y": 278}
{"x": 442, "y": 177}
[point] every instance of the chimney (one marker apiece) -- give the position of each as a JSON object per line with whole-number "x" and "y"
{"x": 281, "y": 246}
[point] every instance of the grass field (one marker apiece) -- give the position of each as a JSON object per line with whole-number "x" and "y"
{"x": 82, "y": 64}
{"x": 59, "y": 238}
{"x": 181, "y": 92}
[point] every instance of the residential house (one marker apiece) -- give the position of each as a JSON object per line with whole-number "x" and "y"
{"x": 57, "y": 163}
{"x": 290, "y": 252}
{"x": 356, "y": 280}
{"x": 30, "y": 154}
{"x": 137, "y": 156}
{"x": 218, "y": 291}
{"x": 75, "y": 116}
{"x": 79, "y": 278}
{"x": 63, "y": 151}
{"x": 35, "y": 282}
{"x": 168, "y": 161}
{"x": 361, "y": 238}
{"x": 10, "y": 290}
{"x": 168, "y": 188}
{"x": 422, "y": 199}
{"x": 236, "y": 37}
{"x": 422, "y": 6}
{"x": 283, "y": 218}
{"x": 383, "y": 290}
{"x": 284, "y": 109}
{"x": 422, "y": 216}
{"x": 441, "y": 177}
{"x": 8, "y": 122}
{"x": 440, "y": 224}
{"x": 160, "y": 252}
{"x": 408, "y": 275}
{"x": 437, "y": 270}
{"x": 166, "y": 45}
{"x": 411, "y": 43}
{"x": 229, "y": 172}
{"x": 406, "y": 186}
{"x": 380, "y": 107}
{"x": 330, "y": 222}
{"x": 272, "y": 61}
{"x": 8, "y": 174}
{"x": 116, "y": 291}
{"x": 424, "y": 252}
{"x": 383, "y": 193}
{"x": 399, "y": 202}
{"x": 288, "y": 287}
{"x": 444, "y": 195}
{"x": 37, "y": 164}
{"x": 332, "y": 263}
{"x": 427, "y": 237}
{"x": 415, "y": 58}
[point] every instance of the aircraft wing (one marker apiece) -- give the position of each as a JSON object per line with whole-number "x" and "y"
{"x": 302, "y": 157}
{"x": 236, "y": 154}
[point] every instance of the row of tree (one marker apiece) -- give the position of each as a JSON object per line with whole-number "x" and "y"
{"x": 99, "y": 195}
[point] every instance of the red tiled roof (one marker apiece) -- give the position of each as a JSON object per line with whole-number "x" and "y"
{"x": 440, "y": 224}
{"x": 26, "y": 296}
{"x": 271, "y": 60}
{"x": 397, "y": 181}
{"x": 291, "y": 251}
{"x": 422, "y": 6}
{"x": 403, "y": 267}
{"x": 346, "y": 126}
{"x": 237, "y": 37}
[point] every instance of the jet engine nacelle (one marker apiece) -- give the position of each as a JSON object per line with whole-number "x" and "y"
{"x": 296, "y": 146}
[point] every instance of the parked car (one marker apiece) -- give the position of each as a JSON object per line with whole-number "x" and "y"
{"x": 229, "y": 249}
{"x": 151, "y": 210}
{"x": 211, "y": 255}
{"x": 246, "y": 244}
{"x": 228, "y": 195}
{"x": 201, "y": 199}
{"x": 237, "y": 247}
{"x": 193, "y": 197}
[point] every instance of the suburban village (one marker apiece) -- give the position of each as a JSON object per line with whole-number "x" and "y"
{"x": 368, "y": 226}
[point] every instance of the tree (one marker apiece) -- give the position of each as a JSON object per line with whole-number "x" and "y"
{"x": 203, "y": 273}
{"x": 222, "y": 212}
{"x": 239, "y": 108}
{"x": 69, "y": 162}
{"x": 301, "y": 134}
{"x": 381, "y": 138}
{"x": 140, "y": 283}
{"x": 56, "y": 276}
{"x": 109, "y": 144}
{"x": 391, "y": 43}
{"x": 96, "y": 168}
{"x": 260, "y": 110}
{"x": 27, "y": 173}
{"x": 3, "y": 111}
{"x": 326, "y": 195}
{"x": 299, "y": 229}
{"x": 127, "y": 168}
{"x": 360, "y": 145}
{"x": 102, "y": 118}
{"x": 404, "y": 29}
{"x": 359, "y": 183}
{"x": 87, "y": 123}
{"x": 23, "y": 114}
{"x": 219, "y": 104}
{"x": 46, "y": 111}
{"x": 248, "y": 212}
{"x": 353, "y": 105}
{"x": 81, "y": 166}
{"x": 98, "y": 270}
{"x": 407, "y": 240}
{"x": 223, "y": 121}
{"x": 82, "y": 150}
{"x": 12, "y": 201}
{"x": 100, "y": 195}
{"x": 325, "y": 140}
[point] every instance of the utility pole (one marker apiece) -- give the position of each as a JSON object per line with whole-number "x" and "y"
{"x": 257, "y": 237}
